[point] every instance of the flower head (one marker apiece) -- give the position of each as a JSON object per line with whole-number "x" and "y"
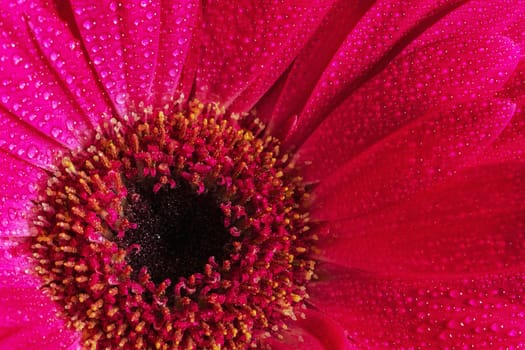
{"x": 273, "y": 174}
{"x": 180, "y": 230}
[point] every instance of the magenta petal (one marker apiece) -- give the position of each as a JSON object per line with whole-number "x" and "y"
{"x": 510, "y": 146}
{"x": 293, "y": 339}
{"x": 178, "y": 20}
{"x": 190, "y": 65}
{"x": 138, "y": 27}
{"x": 419, "y": 155}
{"x": 99, "y": 26}
{"x": 122, "y": 41}
{"x": 391, "y": 28}
{"x": 65, "y": 59}
{"x": 138, "y": 48}
{"x": 13, "y": 262}
{"x": 472, "y": 223}
{"x": 331, "y": 335}
{"x": 25, "y": 143}
{"x": 484, "y": 17}
{"x": 383, "y": 31}
{"x": 268, "y": 74}
{"x": 515, "y": 86}
{"x": 247, "y": 44}
{"x": 411, "y": 86}
{"x": 312, "y": 60}
{"x": 18, "y": 186}
{"x": 435, "y": 312}
{"x": 30, "y": 90}
{"x": 28, "y": 319}
{"x": 314, "y": 332}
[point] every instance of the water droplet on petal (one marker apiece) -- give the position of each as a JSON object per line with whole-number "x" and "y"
{"x": 88, "y": 24}
{"x": 32, "y": 152}
{"x": 121, "y": 98}
{"x": 56, "y": 132}
{"x": 17, "y": 59}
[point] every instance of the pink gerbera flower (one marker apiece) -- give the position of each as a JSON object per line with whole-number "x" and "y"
{"x": 273, "y": 174}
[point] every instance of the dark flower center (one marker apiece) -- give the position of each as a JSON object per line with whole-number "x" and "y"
{"x": 177, "y": 230}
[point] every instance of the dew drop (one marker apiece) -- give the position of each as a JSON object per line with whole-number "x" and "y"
{"x": 121, "y": 98}
{"x": 513, "y": 333}
{"x": 56, "y": 132}
{"x": 88, "y": 24}
{"x": 70, "y": 124}
{"x": 17, "y": 59}
{"x": 495, "y": 327}
{"x": 173, "y": 73}
{"x": 33, "y": 188}
{"x": 7, "y": 255}
{"x": 454, "y": 293}
{"x": 12, "y": 213}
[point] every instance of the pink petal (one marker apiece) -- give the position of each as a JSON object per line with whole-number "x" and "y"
{"x": 247, "y": 45}
{"x": 14, "y": 259}
{"x": 515, "y": 86}
{"x": 30, "y": 89}
{"x": 65, "y": 59}
{"x": 314, "y": 332}
{"x": 473, "y": 223}
{"x": 435, "y": 312}
{"x": 99, "y": 28}
{"x": 23, "y": 142}
{"x": 388, "y": 29}
{"x": 419, "y": 155}
{"x": 384, "y": 30}
{"x": 267, "y": 76}
{"x": 432, "y": 77}
{"x": 313, "y": 59}
{"x": 138, "y": 47}
{"x": 187, "y": 79}
{"x": 482, "y": 20}
{"x": 178, "y": 18}
{"x": 138, "y": 27}
{"x": 18, "y": 186}
{"x": 28, "y": 319}
{"x": 510, "y": 146}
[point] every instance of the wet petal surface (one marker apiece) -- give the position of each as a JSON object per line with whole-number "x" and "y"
{"x": 28, "y": 319}
{"x": 409, "y": 88}
{"x": 473, "y": 223}
{"x": 246, "y": 45}
{"x": 432, "y": 312}
{"x": 416, "y": 157}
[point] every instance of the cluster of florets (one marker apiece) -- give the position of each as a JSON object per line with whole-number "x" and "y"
{"x": 81, "y": 217}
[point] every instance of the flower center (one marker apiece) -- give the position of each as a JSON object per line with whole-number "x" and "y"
{"x": 180, "y": 229}
{"x": 177, "y": 229}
